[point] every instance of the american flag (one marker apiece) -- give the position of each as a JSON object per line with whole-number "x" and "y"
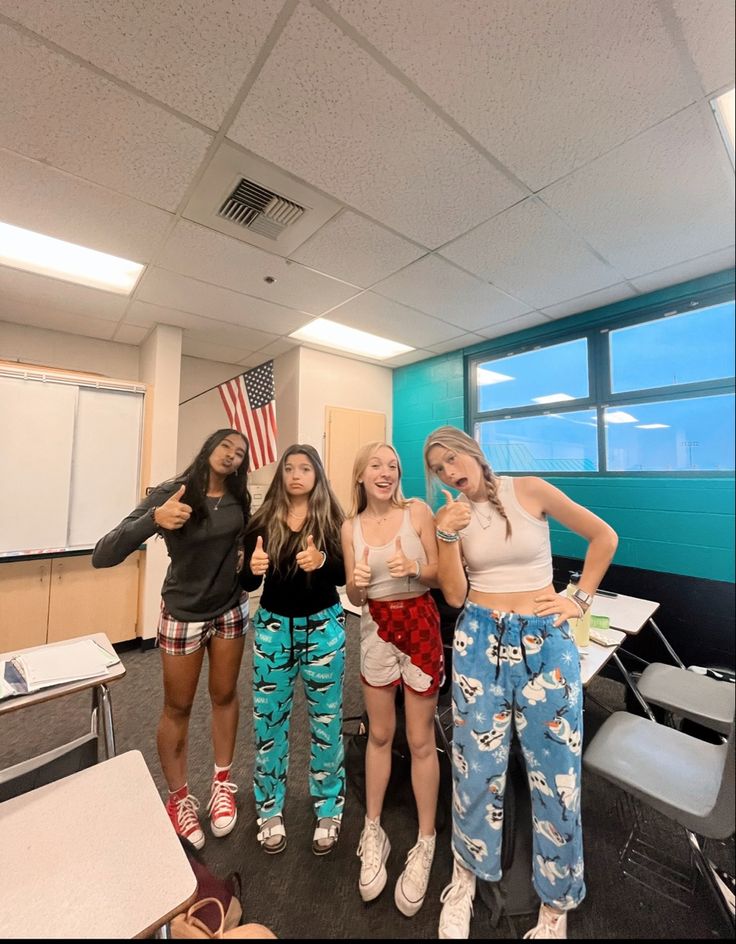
{"x": 250, "y": 404}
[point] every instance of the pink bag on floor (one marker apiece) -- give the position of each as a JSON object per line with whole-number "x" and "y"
{"x": 188, "y": 925}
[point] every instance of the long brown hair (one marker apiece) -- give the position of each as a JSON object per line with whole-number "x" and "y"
{"x": 454, "y": 439}
{"x": 362, "y": 458}
{"x": 324, "y": 514}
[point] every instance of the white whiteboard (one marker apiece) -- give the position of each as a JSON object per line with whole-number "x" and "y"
{"x": 69, "y": 463}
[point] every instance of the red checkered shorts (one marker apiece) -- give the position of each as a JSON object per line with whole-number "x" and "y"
{"x": 181, "y": 638}
{"x": 400, "y": 641}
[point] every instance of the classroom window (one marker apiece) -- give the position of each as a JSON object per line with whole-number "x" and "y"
{"x": 651, "y": 393}
{"x": 553, "y": 442}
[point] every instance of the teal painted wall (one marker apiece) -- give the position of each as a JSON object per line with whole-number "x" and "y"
{"x": 674, "y": 525}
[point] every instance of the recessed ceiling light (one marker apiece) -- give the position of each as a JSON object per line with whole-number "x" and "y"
{"x": 331, "y": 334}
{"x": 723, "y": 107}
{"x": 652, "y": 426}
{"x": 34, "y": 252}
{"x": 619, "y": 416}
{"x": 485, "y": 377}
{"x": 553, "y": 398}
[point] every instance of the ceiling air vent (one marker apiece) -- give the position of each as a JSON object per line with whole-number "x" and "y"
{"x": 260, "y": 210}
{"x": 246, "y": 198}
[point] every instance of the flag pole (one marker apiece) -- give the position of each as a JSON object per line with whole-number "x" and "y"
{"x": 215, "y": 386}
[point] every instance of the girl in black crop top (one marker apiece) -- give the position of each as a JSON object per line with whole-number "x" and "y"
{"x": 293, "y": 545}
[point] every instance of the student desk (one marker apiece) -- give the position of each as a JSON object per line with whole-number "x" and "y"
{"x": 594, "y": 656}
{"x": 92, "y": 856}
{"x": 630, "y": 615}
{"x": 99, "y": 685}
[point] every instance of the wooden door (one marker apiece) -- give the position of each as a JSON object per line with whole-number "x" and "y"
{"x": 24, "y": 606}
{"x": 84, "y": 600}
{"x": 346, "y": 432}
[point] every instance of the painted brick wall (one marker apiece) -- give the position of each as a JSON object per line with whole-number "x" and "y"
{"x": 679, "y": 526}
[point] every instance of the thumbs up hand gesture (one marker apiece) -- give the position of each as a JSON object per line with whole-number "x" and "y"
{"x": 310, "y": 558}
{"x": 454, "y": 515}
{"x": 362, "y": 572}
{"x": 400, "y": 565}
{"x": 259, "y": 559}
{"x": 174, "y": 513}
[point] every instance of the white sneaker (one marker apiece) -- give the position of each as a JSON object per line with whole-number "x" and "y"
{"x": 457, "y": 904}
{"x": 550, "y": 924}
{"x": 373, "y": 850}
{"x": 412, "y": 884}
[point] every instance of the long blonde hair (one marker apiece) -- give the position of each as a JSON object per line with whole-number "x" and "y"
{"x": 323, "y": 521}
{"x": 454, "y": 439}
{"x": 362, "y": 458}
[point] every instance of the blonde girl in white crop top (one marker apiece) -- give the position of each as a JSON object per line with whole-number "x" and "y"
{"x": 390, "y": 553}
{"x": 494, "y": 547}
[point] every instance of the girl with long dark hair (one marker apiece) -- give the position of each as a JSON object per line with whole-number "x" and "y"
{"x": 293, "y": 544}
{"x": 201, "y": 515}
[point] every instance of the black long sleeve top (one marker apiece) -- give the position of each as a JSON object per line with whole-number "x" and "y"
{"x": 295, "y": 593}
{"x": 202, "y": 579}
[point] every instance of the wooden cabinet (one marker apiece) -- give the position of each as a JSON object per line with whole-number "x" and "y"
{"x": 24, "y": 603}
{"x": 63, "y": 597}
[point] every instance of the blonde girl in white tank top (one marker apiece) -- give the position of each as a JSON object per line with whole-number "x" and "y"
{"x": 390, "y": 553}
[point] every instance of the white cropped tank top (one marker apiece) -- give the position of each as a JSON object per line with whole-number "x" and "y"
{"x": 497, "y": 565}
{"x": 382, "y": 583}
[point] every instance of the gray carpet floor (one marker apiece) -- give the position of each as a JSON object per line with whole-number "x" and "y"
{"x": 302, "y": 896}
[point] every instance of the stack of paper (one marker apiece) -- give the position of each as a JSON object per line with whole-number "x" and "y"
{"x": 54, "y": 665}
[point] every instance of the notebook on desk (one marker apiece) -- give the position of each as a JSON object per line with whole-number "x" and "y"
{"x": 47, "y": 666}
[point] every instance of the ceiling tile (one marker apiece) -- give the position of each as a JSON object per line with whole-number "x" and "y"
{"x": 388, "y": 319}
{"x": 528, "y": 252}
{"x": 206, "y": 329}
{"x": 660, "y": 199}
{"x": 455, "y": 344}
{"x": 212, "y": 257}
{"x": 521, "y": 323}
{"x": 397, "y": 161}
{"x": 358, "y": 250}
{"x": 276, "y": 348}
{"x": 91, "y": 127}
{"x": 190, "y": 54}
{"x": 439, "y": 288}
{"x": 26, "y": 310}
{"x": 606, "y": 296}
{"x": 171, "y": 290}
{"x": 693, "y": 269}
{"x": 130, "y": 333}
{"x": 195, "y": 347}
{"x": 39, "y": 291}
{"x": 545, "y": 87}
{"x": 37, "y": 197}
{"x": 708, "y": 27}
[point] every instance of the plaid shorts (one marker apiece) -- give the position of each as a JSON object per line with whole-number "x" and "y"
{"x": 400, "y": 641}
{"x": 181, "y": 638}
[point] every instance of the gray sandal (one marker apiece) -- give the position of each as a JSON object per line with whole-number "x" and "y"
{"x": 325, "y": 835}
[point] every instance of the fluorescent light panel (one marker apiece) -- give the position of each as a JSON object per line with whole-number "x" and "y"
{"x": 619, "y": 416}
{"x": 485, "y": 377}
{"x": 332, "y": 334}
{"x": 44, "y": 255}
{"x": 723, "y": 106}
{"x": 553, "y": 398}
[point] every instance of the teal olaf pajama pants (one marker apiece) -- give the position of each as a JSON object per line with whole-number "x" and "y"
{"x": 518, "y": 670}
{"x": 312, "y": 647}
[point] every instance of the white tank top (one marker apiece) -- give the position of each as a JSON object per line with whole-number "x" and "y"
{"x": 497, "y": 565}
{"x": 382, "y": 583}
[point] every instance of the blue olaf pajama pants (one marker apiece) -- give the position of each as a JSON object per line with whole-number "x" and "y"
{"x": 312, "y": 647}
{"x": 521, "y": 670}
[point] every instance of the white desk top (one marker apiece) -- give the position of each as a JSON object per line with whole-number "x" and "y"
{"x": 92, "y": 856}
{"x": 626, "y": 613}
{"x": 114, "y": 673}
{"x": 593, "y": 657}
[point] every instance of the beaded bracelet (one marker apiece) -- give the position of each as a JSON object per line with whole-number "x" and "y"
{"x": 581, "y": 611}
{"x": 449, "y": 537}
